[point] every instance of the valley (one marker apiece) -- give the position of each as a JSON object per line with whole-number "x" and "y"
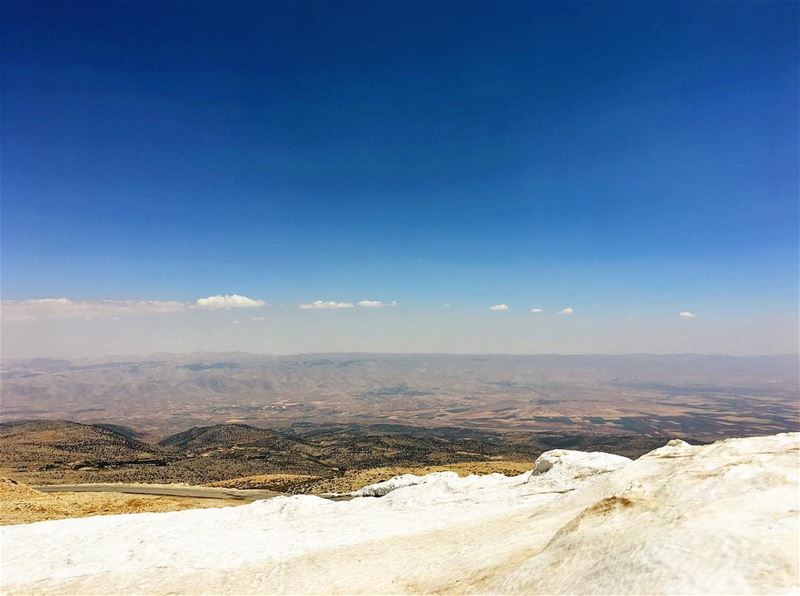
{"x": 317, "y": 424}
{"x": 702, "y": 397}
{"x": 304, "y": 460}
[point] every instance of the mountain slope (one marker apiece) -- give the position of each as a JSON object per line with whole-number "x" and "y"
{"x": 228, "y": 436}
{"x": 225, "y": 451}
{"x": 61, "y": 443}
{"x": 720, "y": 518}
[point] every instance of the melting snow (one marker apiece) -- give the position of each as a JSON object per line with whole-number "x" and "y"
{"x": 721, "y": 518}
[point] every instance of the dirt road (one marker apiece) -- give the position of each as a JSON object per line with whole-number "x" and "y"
{"x": 171, "y": 491}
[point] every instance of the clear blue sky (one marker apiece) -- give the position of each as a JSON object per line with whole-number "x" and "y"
{"x": 614, "y": 157}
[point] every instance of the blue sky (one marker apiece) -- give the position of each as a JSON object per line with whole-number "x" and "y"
{"x": 614, "y": 157}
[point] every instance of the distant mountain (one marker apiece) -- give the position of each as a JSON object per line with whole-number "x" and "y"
{"x": 229, "y": 436}
{"x": 679, "y": 395}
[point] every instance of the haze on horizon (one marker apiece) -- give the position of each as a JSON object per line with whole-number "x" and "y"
{"x": 399, "y": 177}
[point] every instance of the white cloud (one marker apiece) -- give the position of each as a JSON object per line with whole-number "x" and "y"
{"x": 536, "y": 310}
{"x": 66, "y": 308}
{"x": 325, "y": 305}
{"x": 60, "y": 308}
{"x": 228, "y": 301}
{"x": 376, "y": 303}
{"x": 566, "y": 311}
{"x": 499, "y": 307}
{"x": 446, "y": 305}
{"x": 258, "y": 319}
{"x": 686, "y": 314}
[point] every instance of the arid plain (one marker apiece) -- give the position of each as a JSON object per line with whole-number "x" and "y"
{"x": 703, "y": 397}
{"x": 330, "y": 423}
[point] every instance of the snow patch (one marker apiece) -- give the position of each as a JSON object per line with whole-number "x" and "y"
{"x": 568, "y": 464}
{"x": 380, "y": 489}
{"x": 719, "y": 518}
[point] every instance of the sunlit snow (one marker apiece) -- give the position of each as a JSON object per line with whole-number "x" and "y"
{"x": 721, "y": 518}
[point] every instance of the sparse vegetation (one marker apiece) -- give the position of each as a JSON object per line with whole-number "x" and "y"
{"x": 61, "y": 452}
{"x": 20, "y": 504}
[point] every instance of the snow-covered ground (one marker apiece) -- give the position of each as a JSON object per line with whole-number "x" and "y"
{"x": 721, "y": 518}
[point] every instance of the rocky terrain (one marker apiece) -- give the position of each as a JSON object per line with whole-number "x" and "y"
{"x": 720, "y": 518}
{"x": 48, "y": 452}
{"x": 20, "y": 504}
{"x": 57, "y": 444}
